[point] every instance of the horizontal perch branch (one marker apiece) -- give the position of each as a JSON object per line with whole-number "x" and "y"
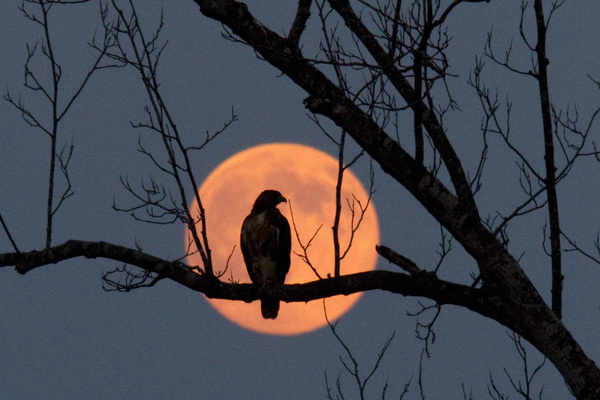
{"x": 419, "y": 283}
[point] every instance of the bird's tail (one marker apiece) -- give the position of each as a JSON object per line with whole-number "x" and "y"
{"x": 269, "y": 308}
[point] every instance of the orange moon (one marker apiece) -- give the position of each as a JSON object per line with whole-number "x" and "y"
{"x": 307, "y": 178}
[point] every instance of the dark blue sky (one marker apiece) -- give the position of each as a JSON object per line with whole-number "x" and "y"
{"x": 63, "y": 337}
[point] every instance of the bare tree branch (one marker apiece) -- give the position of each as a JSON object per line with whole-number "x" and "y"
{"x": 302, "y": 15}
{"x": 423, "y": 284}
{"x": 351, "y": 364}
{"x": 53, "y": 94}
{"x": 134, "y": 48}
{"x": 7, "y": 231}
{"x": 550, "y": 177}
{"x": 304, "y": 256}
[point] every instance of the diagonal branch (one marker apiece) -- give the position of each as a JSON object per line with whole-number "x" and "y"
{"x": 398, "y": 259}
{"x": 299, "y": 24}
{"x": 327, "y": 99}
{"x": 7, "y": 231}
{"x": 413, "y": 99}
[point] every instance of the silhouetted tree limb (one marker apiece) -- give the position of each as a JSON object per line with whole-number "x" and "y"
{"x": 134, "y": 48}
{"x": 7, "y": 231}
{"x": 302, "y": 15}
{"x": 354, "y": 368}
{"x": 53, "y": 92}
{"x": 550, "y": 177}
{"x": 423, "y": 284}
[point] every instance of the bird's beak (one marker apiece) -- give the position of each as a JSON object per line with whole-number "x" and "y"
{"x": 283, "y": 199}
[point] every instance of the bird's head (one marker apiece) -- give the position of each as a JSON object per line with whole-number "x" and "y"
{"x": 268, "y": 199}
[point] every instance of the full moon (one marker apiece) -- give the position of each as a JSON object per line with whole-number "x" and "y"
{"x": 307, "y": 178}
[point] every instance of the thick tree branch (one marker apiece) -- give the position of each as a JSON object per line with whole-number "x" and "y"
{"x": 421, "y": 283}
{"x": 398, "y": 259}
{"x": 302, "y": 15}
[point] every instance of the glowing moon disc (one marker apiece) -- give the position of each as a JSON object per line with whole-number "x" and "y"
{"x": 307, "y": 178}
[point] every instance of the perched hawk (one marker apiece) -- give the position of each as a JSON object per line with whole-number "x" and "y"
{"x": 266, "y": 245}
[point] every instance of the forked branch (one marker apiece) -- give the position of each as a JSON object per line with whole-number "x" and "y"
{"x": 134, "y": 48}
{"x": 52, "y": 92}
{"x": 422, "y": 284}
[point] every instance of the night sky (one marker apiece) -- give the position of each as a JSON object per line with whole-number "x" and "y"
{"x": 63, "y": 337}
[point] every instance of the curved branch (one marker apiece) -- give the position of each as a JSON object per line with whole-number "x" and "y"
{"x": 420, "y": 283}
